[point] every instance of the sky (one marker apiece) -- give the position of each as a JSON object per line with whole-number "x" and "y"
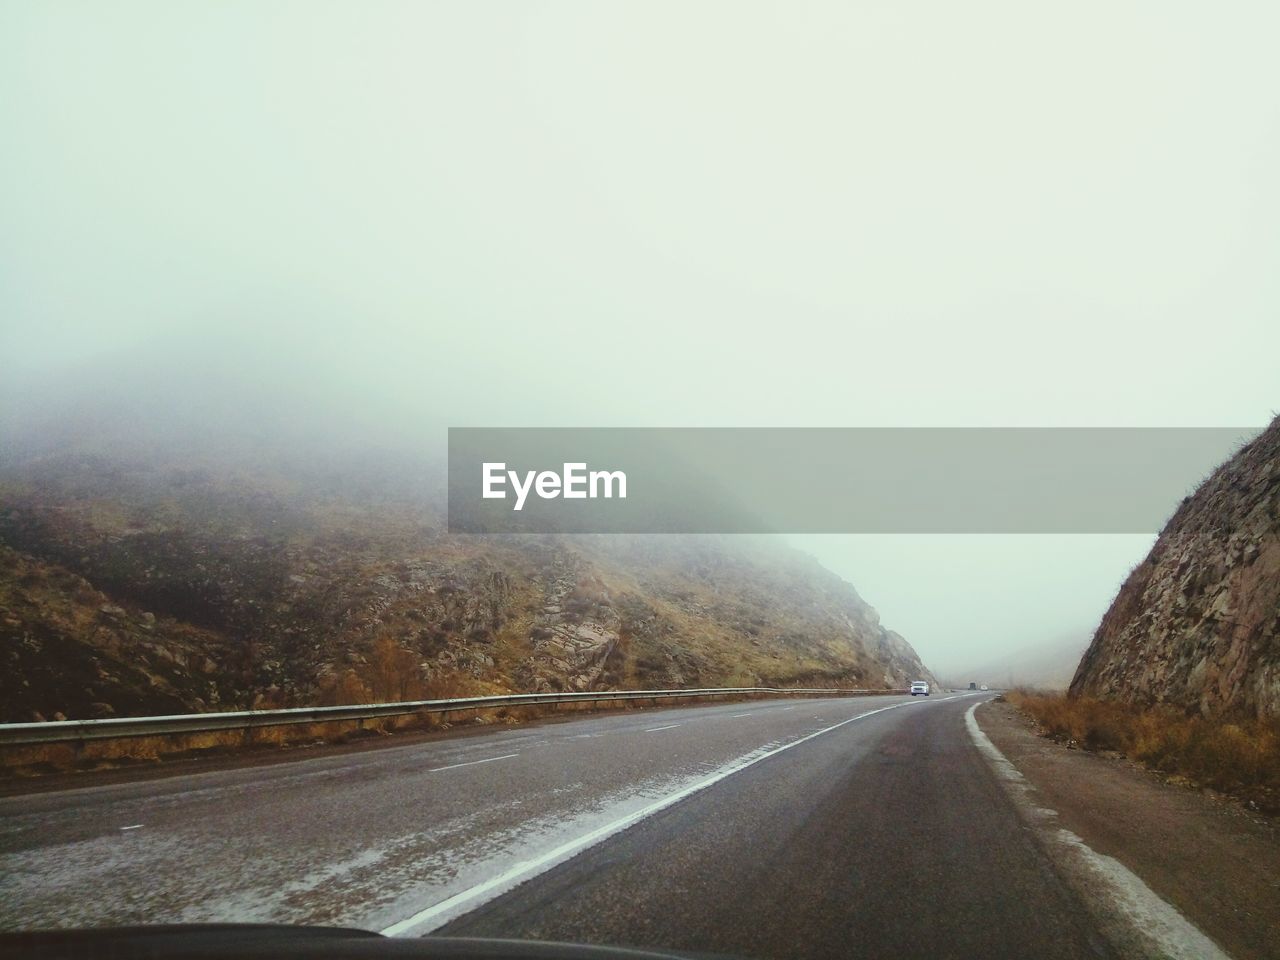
{"x": 419, "y": 215}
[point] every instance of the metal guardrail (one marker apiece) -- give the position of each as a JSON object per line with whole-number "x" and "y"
{"x": 72, "y": 731}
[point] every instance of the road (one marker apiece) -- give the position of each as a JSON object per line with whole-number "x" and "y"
{"x": 859, "y": 827}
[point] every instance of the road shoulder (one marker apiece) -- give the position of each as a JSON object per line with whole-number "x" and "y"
{"x": 1209, "y": 858}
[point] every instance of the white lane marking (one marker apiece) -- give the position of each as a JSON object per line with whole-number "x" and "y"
{"x": 472, "y": 763}
{"x": 667, "y": 727}
{"x": 135, "y": 826}
{"x": 781, "y": 709}
{"x": 438, "y": 914}
{"x": 1156, "y": 920}
{"x": 732, "y": 715}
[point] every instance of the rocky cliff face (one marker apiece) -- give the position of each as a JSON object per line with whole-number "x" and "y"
{"x": 130, "y": 588}
{"x": 1197, "y": 625}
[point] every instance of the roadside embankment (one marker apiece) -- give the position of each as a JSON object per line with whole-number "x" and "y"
{"x": 1239, "y": 757}
{"x": 1214, "y": 860}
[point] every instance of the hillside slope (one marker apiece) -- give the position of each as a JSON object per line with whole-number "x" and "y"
{"x": 1197, "y": 625}
{"x": 131, "y": 587}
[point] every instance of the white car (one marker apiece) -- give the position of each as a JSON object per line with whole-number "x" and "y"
{"x": 919, "y": 686}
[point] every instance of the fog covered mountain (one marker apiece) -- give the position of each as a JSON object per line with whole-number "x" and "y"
{"x": 137, "y": 581}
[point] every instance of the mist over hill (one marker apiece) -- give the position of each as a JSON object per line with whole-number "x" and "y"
{"x": 149, "y": 577}
{"x": 1044, "y": 666}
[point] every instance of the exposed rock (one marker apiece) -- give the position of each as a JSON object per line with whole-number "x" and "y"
{"x": 1197, "y": 625}
{"x": 265, "y": 599}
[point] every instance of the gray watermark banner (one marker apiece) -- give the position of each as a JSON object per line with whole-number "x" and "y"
{"x": 827, "y": 480}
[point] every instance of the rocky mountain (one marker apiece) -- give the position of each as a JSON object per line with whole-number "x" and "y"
{"x": 1197, "y": 624}
{"x": 133, "y": 585}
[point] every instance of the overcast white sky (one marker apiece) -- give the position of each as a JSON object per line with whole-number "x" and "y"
{"x": 670, "y": 213}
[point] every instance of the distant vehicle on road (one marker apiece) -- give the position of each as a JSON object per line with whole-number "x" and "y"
{"x": 972, "y": 685}
{"x": 919, "y": 686}
{"x": 984, "y": 686}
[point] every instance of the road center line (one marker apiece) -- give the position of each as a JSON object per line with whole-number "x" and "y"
{"x": 440, "y": 913}
{"x": 732, "y": 715}
{"x": 472, "y": 763}
{"x": 667, "y": 727}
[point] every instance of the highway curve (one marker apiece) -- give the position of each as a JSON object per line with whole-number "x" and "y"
{"x": 858, "y": 827}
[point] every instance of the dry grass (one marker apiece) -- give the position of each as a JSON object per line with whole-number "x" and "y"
{"x": 1240, "y": 757}
{"x": 121, "y": 751}
{"x": 101, "y": 754}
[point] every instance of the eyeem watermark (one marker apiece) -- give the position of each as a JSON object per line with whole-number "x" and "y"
{"x": 574, "y": 482}
{"x": 827, "y": 480}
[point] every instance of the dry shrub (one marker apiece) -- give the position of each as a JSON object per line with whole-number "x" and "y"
{"x": 347, "y": 688}
{"x": 448, "y": 685}
{"x": 1236, "y": 756}
{"x": 344, "y": 688}
{"x": 393, "y": 673}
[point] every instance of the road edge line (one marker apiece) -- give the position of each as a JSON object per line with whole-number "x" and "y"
{"x": 1159, "y": 924}
{"x": 438, "y": 914}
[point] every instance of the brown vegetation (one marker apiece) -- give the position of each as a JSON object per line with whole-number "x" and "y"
{"x": 39, "y": 759}
{"x": 143, "y": 594}
{"x": 1240, "y": 757}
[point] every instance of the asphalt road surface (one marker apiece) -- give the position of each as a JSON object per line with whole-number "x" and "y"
{"x": 859, "y": 827}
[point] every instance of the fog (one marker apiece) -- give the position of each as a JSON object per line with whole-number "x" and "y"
{"x": 353, "y": 223}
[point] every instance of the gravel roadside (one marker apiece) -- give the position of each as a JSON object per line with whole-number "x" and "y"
{"x": 1214, "y": 861}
